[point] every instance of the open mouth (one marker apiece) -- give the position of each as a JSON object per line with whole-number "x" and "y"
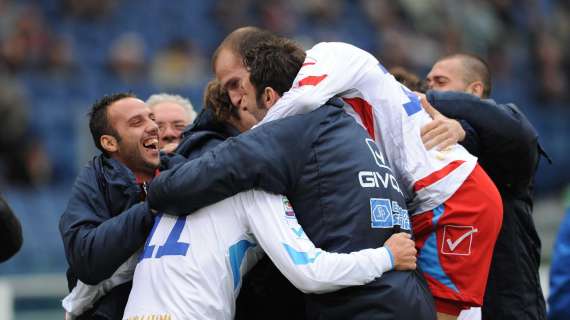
{"x": 151, "y": 143}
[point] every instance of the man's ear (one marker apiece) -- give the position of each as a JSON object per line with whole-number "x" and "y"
{"x": 270, "y": 97}
{"x": 476, "y": 88}
{"x": 109, "y": 143}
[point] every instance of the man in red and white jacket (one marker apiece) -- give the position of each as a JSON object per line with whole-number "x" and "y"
{"x": 456, "y": 209}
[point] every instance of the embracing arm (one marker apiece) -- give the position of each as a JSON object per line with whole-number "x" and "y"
{"x": 503, "y": 132}
{"x": 95, "y": 243}
{"x": 330, "y": 69}
{"x": 269, "y": 157}
{"x": 311, "y": 269}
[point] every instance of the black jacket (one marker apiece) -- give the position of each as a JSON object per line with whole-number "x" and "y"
{"x": 203, "y": 134}
{"x": 10, "y": 232}
{"x": 507, "y": 147}
{"x": 319, "y": 161}
{"x": 104, "y": 223}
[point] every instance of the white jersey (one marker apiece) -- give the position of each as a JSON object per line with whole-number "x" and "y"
{"x": 391, "y": 113}
{"x": 191, "y": 267}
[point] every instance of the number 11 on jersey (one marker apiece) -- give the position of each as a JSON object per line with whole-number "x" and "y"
{"x": 172, "y": 246}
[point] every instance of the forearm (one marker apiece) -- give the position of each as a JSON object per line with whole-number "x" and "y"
{"x": 486, "y": 117}
{"x": 310, "y": 269}
{"x": 333, "y": 271}
{"x": 239, "y": 164}
{"x": 503, "y": 132}
{"x": 471, "y": 139}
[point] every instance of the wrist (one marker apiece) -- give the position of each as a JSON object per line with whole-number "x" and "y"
{"x": 391, "y": 256}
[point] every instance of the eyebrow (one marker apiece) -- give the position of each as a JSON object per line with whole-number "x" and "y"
{"x": 440, "y": 78}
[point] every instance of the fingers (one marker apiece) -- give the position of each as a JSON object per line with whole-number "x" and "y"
{"x": 435, "y": 140}
{"x": 428, "y": 107}
{"x": 446, "y": 144}
{"x": 428, "y": 127}
{"x": 434, "y": 136}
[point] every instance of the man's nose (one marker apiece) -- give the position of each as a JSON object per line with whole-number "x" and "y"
{"x": 169, "y": 132}
{"x": 152, "y": 128}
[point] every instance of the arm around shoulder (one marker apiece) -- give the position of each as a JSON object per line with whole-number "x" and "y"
{"x": 95, "y": 242}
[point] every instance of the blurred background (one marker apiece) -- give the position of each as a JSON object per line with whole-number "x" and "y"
{"x": 58, "y": 56}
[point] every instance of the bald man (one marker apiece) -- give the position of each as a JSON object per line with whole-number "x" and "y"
{"x": 507, "y": 147}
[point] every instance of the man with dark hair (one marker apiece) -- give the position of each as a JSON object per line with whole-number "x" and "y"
{"x": 508, "y": 149}
{"x": 317, "y": 161}
{"x": 10, "y": 232}
{"x": 107, "y": 218}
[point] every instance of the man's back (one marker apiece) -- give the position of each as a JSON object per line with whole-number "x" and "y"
{"x": 360, "y": 204}
{"x": 191, "y": 266}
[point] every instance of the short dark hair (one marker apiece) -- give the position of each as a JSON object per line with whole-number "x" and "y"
{"x": 274, "y": 63}
{"x": 99, "y": 123}
{"x": 217, "y": 100}
{"x": 474, "y": 69}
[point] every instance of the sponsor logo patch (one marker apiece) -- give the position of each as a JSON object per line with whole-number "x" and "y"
{"x": 289, "y": 213}
{"x": 385, "y": 213}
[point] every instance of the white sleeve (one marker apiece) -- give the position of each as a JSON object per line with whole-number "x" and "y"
{"x": 311, "y": 270}
{"x": 84, "y": 296}
{"x": 330, "y": 69}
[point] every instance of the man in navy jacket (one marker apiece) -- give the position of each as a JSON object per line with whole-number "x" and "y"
{"x": 314, "y": 160}
{"x": 107, "y": 220}
{"x": 507, "y": 147}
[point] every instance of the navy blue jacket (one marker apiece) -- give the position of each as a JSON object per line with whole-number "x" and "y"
{"x": 341, "y": 187}
{"x": 203, "y": 134}
{"x": 104, "y": 223}
{"x": 264, "y": 286}
{"x": 507, "y": 147}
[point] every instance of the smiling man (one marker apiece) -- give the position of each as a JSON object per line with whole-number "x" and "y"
{"x": 107, "y": 220}
{"x": 173, "y": 114}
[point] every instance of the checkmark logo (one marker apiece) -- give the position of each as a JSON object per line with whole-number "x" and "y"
{"x": 463, "y": 236}
{"x": 453, "y": 244}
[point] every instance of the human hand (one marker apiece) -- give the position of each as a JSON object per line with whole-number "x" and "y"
{"x": 442, "y": 132}
{"x": 403, "y": 251}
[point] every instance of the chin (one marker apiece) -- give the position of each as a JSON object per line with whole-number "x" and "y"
{"x": 152, "y": 163}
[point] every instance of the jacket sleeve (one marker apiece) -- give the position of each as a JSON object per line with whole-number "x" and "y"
{"x": 269, "y": 157}
{"x": 95, "y": 242}
{"x": 83, "y": 296}
{"x": 471, "y": 140}
{"x": 504, "y": 132}
{"x": 10, "y": 232}
{"x": 310, "y": 269}
{"x": 559, "y": 297}
{"x": 330, "y": 69}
